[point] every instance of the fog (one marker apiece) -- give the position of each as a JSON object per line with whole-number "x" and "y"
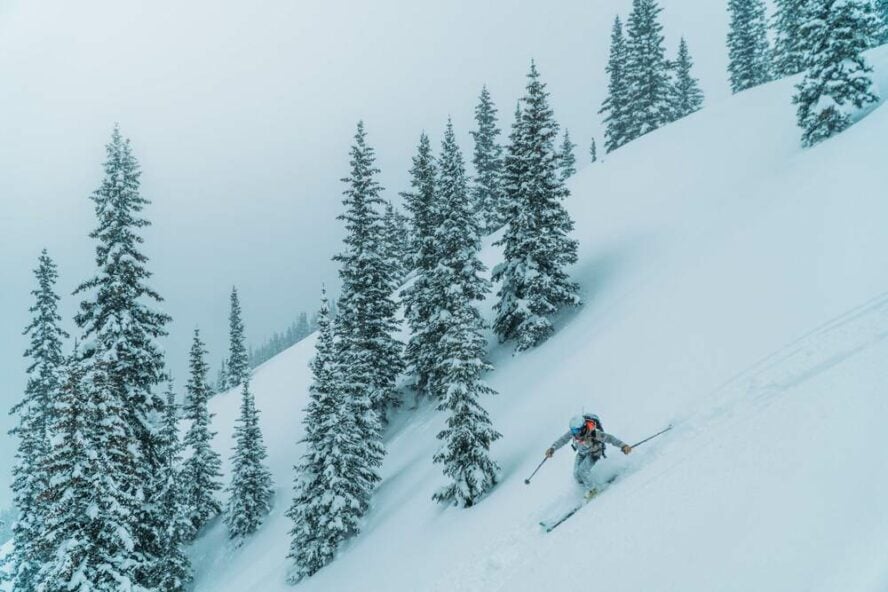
{"x": 241, "y": 115}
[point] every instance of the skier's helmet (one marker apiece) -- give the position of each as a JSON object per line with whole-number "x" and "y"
{"x": 577, "y": 425}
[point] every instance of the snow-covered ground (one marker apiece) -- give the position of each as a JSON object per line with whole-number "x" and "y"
{"x": 735, "y": 286}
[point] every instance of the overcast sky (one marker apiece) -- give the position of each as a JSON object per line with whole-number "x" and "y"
{"x": 241, "y": 115}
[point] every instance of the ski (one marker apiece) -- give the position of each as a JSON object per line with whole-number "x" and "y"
{"x": 550, "y": 525}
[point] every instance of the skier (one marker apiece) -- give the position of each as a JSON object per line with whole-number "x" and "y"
{"x": 588, "y": 440}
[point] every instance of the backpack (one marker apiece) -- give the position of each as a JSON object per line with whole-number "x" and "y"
{"x": 597, "y": 420}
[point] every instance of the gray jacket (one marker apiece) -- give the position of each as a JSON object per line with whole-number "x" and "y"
{"x": 589, "y": 443}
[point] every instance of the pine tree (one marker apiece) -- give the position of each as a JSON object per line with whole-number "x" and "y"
{"x": 486, "y": 189}
{"x": 238, "y": 362}
{"x": 397, "y": 244}
{"x": 789, "y": 54}
{"x": 117, "y": 317}
{"x": 568, "y": 162}
{"x": 537, "y": 248}
{"x": 593, "y": 152}
{"x": 687, "y": 96}
{"x": 222, "y": 378}
{"x": 837, "y": 82}
{"x": 327, "y": 500}
{"x": 201, "y": 472}
{"x": 461, "y": 350}
{"x": 29, "y": 477}
{"x": 250, "y": 492}
{"x": 418, "y": 297}
{"x": 172, "y": 570}
{"x": 420, "y": 202}
{"x": 366, "y": 320}
{"x": 882, "y": 12}
{"x": 647, "y": 72}
{"x": 616, "y": 106}
{"x": 749, "y": 56}
{"x": 89, "y": 533}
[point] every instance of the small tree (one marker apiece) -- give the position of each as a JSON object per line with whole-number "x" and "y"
{"x": 837, "y": 82}
{"x": 238, "y": 361}
{"x": 201, "y": 473}
{"x": 172, "y": 570}
{"x": 749, "y": 56}
{"x": 616, "y": 106}
{"x": 687, "y": 96}
{"x": 486, "y": 189}
{"x": 593, "y": 152}
{"x": 250, "y": 492}
{"x": 568, "y": 163}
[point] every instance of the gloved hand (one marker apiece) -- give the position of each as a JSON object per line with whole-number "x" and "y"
{"x": 626, "y": 449}
{"x": 550, "y": 452}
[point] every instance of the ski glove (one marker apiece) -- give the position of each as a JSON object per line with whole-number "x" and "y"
{"x": 626, "y": 449}
{"x": 550, "y": 452}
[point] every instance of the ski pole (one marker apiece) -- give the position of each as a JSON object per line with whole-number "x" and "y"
{"x": 650, "y": 437}
{"x": 527, "y": 481}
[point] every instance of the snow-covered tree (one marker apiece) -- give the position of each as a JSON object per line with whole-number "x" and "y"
{"x": 687, "y": 96}
{"x": 486, "y": 187}
{"x": 882, "y": 12}
{"x": 462, "y": 347}
{"x": 789, "y": 54}
{"x": 29, "y": 477}
{"x": 837, "y": 82}
{"x": 537, "y": 246}
{"x": 88, "y": 528}
{"x": 397, "y": 243}
{"x": 201, "y": 473}
{"x": 327, "y": 498}
{"x": 171, "y": 571}
{"x": 366, "y": 323}
{"x": 748, "y": 52}
{"x": 568, "y": 164}
{"x": 250, "y": 491}
{"x": 593, "y": 152}
{"x": 222, "y": 378}
{"x": 238, "y": 362}
{"x": 616, "y": 106}
{"x": 420, "y": 202}
{"x": 648, "y": 104}
{"x": 119, "y": 321}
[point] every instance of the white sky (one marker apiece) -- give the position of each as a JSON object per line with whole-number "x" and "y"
{"x": 241, "y": 114}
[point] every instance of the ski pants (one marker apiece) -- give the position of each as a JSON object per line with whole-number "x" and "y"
{"x": 583, "y": 464}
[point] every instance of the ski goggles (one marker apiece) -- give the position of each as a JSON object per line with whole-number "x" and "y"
{"x": 589, "y": 426}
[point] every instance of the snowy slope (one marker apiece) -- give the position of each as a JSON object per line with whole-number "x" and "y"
{"x": 735, "y": 286}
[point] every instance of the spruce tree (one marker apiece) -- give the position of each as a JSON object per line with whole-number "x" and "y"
{"x": 250, "y": 492}
{"x": 201, "y": 472}
{"x": 172, "y": 570}
{"x": 514, "y": 168}
{"x": 648, "y": 104}
{"x": 789, "y": 54}
{"x": 29, "y": 477}
{"x": 486, "y": 188}
{"x": 222, "y": 378}
{"x": 420, "y": 202}
{"x": 88, "y": 530}
{"x": 882, "y": 12}
{"x": 419, "y": 297}
{"x": 366, "y": 320}
{"x": 593, "y": 152}
{"x": 616, "y": 106}
{"x": 837, "y": 82}
{"x": 537, "y": 248}
{"x": 461, "y": 350}
{"x": 568, "y": 162}
{"x": 397, "y": 244}
{"x": 238, "y": 361}
{"x": 327, "y": 500}
{"x": 687, "y": 96}
{"x": 748, "y": 53}
{"x": 119, "y": 320}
